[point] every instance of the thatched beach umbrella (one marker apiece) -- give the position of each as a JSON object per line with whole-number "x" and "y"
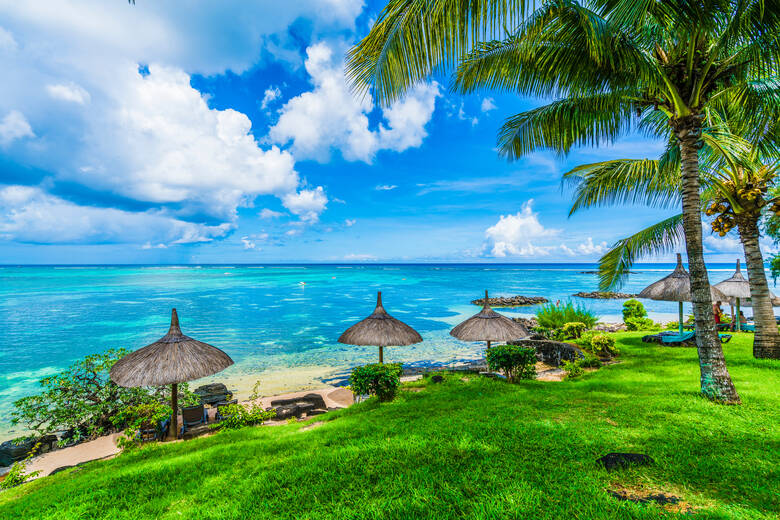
{"x": 676, "y": 287}
{"x": 172, "y": 359}
{"x": 488, "y": 325}
{"x": 380, "y": 330}
{"x": 736, "y": 288}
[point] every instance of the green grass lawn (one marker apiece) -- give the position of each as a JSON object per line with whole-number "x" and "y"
{"x": 478, "y": 449}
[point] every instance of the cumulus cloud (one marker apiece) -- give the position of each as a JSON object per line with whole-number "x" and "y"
{"x": 14, "y": 126}
{"x": 358, "y": 257}
{"x": 589, "y": 248}
{"x": 385, "y": 187}
{"x": 349, "y": 223}
{"x": 488, "y": 104}
{"x": 28, "y": 214}
{"x": 727, "y": 244}
{"x": 248, "y": 244}
{"x": 149, "y": 245}
{"x": 512, "y": 235}
{"x": 307, "y": 204}
{"x": 7, "y": 41}
{"x": 69, "y": 92}
{"x": 330, "y": 117}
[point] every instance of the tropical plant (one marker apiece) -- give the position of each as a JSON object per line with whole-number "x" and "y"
{"x": 603, "y": 344}
{"x": 612, "y": 65}
{"x": 553, "y": 316}
{"x": 514, "y": 361}
{"x": 379, "y": 379}
{"x": 138, "y": 419}
{"x": 774, "y": 267}
{"x": 641, "y": 324}
{"x": 633, "y": 309}
{"x": 574, "y": 329}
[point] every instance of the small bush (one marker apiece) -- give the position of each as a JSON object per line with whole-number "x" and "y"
{"x": 139, "y": 417}
{"x": 673, "y": 325}
{"x": 633, "y": 309}
{"x": 515, "y": 361}
{"x": 379, "y": 379}
{"x": 590, "y": 361}
{"x": 16, "y": 475}
{"x": 603, "y": 344}
{"x": 641, "y": 324}
{"x": 573, "y": 329}
{"x": 235, "y": 416}
{"x": 573, "y": 369}
{"x": 554, "y": 316}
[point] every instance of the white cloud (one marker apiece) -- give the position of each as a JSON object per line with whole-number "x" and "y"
{"x": 589, "y": 248}
{"x": 359, "y": 257}
{"x": 14, "y": 126}
{"x": 512, "y": 235}
{"x": 270, "y": 95}
{"x": 331, "y": 117}
{"x": 149, "y": 245}
{"x": 385, "y": 187}
{"x": 727, "y": 244}
{"x": 248, "y": 244}
{"x": 307, "y": 204}
{"x": 68, "y": 92}
{"x": 349, "y": 223}
{"x": 269, "y": 213}
{"x": 488, "y": 104}
{"x": 28, "y": 214}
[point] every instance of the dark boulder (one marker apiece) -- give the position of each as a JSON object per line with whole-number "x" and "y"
{"x": 13, "y": 450}
{"x": 213, "y": 393}
{"x": 552, "y": 352}
{"x": 617, "y": 460}
{"x": 437, "y": 379}
{"x": 314, "y": 399}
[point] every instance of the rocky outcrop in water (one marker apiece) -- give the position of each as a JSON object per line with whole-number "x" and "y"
{"x": 511, "y": 301}
{"x": 606, "y": 295}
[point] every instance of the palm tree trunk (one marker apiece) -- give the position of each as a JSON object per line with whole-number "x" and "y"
{"x": 715, "y": 379}
{"x": 766, "y": 344}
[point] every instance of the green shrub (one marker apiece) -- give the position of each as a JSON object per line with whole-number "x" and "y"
{"x": 573, "y": 329}
{"x": 379, "y": 379}
{"x": 17, "y": 474}
{"x": 556, "y": 316}
{"x": 673, "y": 325}
{"x": 573, "y": 369}
{"x": 633, "y": 309}
{"x": 235, "y": 416}
{"x": 603, "y": 344}
{"x": 589, "y": 361}
{"x": 641, "y": 324}
{"x": 146, "y": 416}
{"x": 514, "y": 361}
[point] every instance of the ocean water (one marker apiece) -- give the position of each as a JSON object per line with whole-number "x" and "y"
{"x": 280, "y": 324}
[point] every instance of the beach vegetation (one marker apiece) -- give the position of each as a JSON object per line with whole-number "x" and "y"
{"x": 17, "y": 474}
{"x": 139, "y": 422}
{"x": 379, "y": 379}
{"x": 84, "y": 403}
{"x": 533, "y": 446}
{"x": 241, "y": 415}
{"x": 514, "y": 361}
{"x": 553, "y": 316}
{"x": 633, "y": 309}
{"x": 603, "y": 345}
{"x": 641, "y": 324}
{"x": 574, "y": 329}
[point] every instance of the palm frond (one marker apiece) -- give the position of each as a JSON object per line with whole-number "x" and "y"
{"x": 659, "y": 238}
{"x": 412, "y": 39}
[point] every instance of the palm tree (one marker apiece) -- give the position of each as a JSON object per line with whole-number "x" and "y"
{"x": 735, "y": 190}
{"x": 613, "y": 64}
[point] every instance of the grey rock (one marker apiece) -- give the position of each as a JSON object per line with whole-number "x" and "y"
{"x": 212, "y": 393}
{"x": 552, "y": 352}
{"x": 511, "y": 301}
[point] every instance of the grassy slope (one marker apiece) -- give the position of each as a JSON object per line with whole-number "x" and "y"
{"x": 481, "y": 449}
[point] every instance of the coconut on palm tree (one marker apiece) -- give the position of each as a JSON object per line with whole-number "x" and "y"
{"x": 612, "y": 64}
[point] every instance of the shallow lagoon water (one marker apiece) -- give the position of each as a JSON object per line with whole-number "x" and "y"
{"x": 274, "y": 327}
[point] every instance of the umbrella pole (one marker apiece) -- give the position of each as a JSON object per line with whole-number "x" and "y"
{"x": 174, "y": 428}
{"x": 681, "y": 318}
{"x": 381, "y": 354}
{"x": 488, "y": 342}
{"x": 739, "y": 321}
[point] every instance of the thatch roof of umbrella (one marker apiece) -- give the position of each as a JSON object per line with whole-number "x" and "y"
{"x": 380, "y": 330}
{"x": 488, "y": 325}
{"x": 736, "y": 286}
{"x": 676, "y": 287}
{"x": 174, "y": 358}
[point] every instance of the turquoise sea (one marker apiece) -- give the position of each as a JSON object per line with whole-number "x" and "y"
{"x": 277, "y": 329}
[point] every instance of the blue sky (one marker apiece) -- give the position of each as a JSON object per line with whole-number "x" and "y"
{"x": 224, "y": 132}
